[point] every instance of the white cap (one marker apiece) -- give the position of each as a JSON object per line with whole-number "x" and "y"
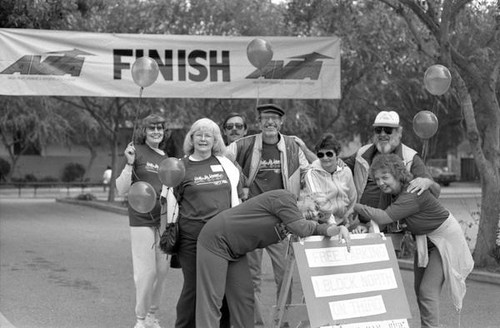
{"x": 384, "y": 118}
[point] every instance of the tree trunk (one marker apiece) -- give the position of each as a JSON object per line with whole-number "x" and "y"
{"x": 490, "y": 180}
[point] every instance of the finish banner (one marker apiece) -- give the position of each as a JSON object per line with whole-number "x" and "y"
{"x": 68, "y": 63}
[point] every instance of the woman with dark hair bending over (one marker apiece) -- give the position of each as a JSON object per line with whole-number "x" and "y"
{"x": 442, "y": 254}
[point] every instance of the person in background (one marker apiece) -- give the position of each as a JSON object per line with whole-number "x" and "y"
{"x": 149, "y": 263}
{"x": 226, "y": 239}
{"x": 106, "y": 177}
{"x": 234, "y": 127}
{"x": 387, "y": 134}
{"x": 442, "y": 255}
{"x": 209, "y": 187}
{"x": 329, "y": 181}
{"x": 269, "y": 160}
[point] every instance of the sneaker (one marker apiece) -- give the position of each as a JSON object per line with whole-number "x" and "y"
{"x": 151, "y": 321}
{"x": 140, "y": 324}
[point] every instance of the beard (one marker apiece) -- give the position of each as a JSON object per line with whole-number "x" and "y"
{"x": 384, "y": 148}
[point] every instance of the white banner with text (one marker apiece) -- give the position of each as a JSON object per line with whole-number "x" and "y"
{"x": 69, "y": 63}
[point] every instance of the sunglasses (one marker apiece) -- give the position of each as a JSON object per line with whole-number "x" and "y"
{"x": 387, "y": 130}
{"x": 321, "y": 154}
{"x": 154, "y": 127}
{"x": 230, "y": 126}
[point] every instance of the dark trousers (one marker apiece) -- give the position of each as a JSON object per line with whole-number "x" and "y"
{"x": 186, "y": 305}
{"x": 216, "y": 277}
{"x": 428, "y": 285}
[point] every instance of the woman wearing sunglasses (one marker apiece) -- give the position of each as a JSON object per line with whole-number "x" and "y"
{"x": 329, "y": 181}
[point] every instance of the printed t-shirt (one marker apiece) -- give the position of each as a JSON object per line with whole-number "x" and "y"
{"x": 205, "y": 190}
{"x": 269, "y": 174}
{"x": 145, "y": 169}
{"x": 423, "y": 213}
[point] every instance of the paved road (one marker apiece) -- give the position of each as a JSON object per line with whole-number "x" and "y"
{"x": 65, "y": 265}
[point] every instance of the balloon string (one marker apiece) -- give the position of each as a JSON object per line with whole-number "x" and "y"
{"x": 425, "y": 147}
{"x": 258, "y": 94}
{"x": 137, "y": 114}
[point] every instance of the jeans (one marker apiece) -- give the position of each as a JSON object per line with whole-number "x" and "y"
{"x": 428, "y": 285}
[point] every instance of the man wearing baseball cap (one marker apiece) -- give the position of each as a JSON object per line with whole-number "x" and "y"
{"x": 387, "y": 133}
{"x": 269, "y": 160}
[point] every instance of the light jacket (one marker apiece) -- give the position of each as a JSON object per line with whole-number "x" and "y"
{"x": 247, "y": 152}
{"x": 339, "y": 186}
{"x": 457, "y": 259}
{"x": 362, "y": 167}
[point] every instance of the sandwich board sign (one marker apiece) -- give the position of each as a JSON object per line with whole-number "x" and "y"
{"x": 357, "y": 289}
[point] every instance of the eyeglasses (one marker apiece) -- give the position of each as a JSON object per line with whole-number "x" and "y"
{"x": 201, "y": 135}
{"x": 230, "y": 126}
{"x": 154, "y": 127}
{"x": 271, "y": 117}
{"x": 321, "y": 154}
{"x": 386, "y": 129}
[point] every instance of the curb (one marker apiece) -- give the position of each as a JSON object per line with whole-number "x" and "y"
{"x": 98, "y": 205}
{"x": 475, "y": 275}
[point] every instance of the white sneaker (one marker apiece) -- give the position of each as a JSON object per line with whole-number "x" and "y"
{"x": 140, "y": 324}
{"x": 151, "y": 321}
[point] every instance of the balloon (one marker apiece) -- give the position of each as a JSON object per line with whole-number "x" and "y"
{"x": 145, "y": 71}
{"x": 259, "y": 53}
{"x": 437, "y": 79}
{"x": 171, "y": 172}
{"x": 142, "y": 197}
{"x": 425, "y": 124}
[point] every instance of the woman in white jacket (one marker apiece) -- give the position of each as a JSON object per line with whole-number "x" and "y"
{"x": 329, "y": 182}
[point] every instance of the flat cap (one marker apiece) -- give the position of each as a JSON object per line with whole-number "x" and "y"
{"x": 270, "y": 108}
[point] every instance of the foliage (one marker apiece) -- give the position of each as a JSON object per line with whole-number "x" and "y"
{"x": 72, "y": 172}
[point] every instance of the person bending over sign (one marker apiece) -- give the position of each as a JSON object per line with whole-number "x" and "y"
{"x": 225, "y": 240}
{"x": 442, "y": 253}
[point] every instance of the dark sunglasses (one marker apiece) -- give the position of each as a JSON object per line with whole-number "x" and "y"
{"x": 387, "y": 130}
{"x": 321, "y": 154}
{"x": 158, "y": 127}
{"x": 230, "y": 126}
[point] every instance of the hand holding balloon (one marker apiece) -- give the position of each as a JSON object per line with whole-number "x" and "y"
{"x": 130, "y": 153}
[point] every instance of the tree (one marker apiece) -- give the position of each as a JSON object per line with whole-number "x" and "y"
{"x": 465, "y": 36}
{"x": 30, "y": 123}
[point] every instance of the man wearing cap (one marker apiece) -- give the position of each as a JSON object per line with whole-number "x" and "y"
{"x": 387, "y": 139}
{"x": 269, "y": 160}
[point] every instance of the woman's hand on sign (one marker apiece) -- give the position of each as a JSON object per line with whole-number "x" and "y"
{"x": 343, "y": 233}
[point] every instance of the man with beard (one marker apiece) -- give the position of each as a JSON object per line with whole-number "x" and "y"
{"x": 269, "y": 160}
{"x": 234, "y": 127}
{"x": 386, "y": 140}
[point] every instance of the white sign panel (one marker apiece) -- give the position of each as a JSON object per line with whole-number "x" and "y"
{"x": 68, "y": 63}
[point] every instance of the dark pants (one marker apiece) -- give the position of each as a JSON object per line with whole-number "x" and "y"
{"x": 217, "y": 276}
{"x": 428, "y": 285}
{"x": 186, "y": 305}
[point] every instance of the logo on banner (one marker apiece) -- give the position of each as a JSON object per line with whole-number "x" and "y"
{"x": 69, "y": 62}
{"x": 299, "y": 68}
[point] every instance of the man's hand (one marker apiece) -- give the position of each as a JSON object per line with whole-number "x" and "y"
{"x": 419, "y": 185}
{"x": 361, "y": 228}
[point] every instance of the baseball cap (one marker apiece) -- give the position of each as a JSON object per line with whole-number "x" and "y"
{"x": 270, "y": 108}
{"x": 385, "y": 118}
